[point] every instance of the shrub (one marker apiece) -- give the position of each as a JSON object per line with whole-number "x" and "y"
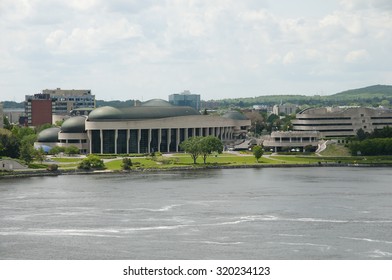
{"x": 52, "y": 167}
{"x": 126, "y": 163}
{"x": 91, "y": 162}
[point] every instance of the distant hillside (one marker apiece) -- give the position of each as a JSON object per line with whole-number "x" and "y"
{"x": 13, "y": 104}
{"x": 379, "y": 91}
{"x": 368, "y": 96}
{"x": 115, "y": 103}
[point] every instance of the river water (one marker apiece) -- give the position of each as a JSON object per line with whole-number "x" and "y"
{"x": 268, "y": 213}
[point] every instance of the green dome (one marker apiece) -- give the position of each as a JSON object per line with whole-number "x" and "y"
{"x": 74, "y": 125}
{"x": 49, "y": 135}
{"x": 157, "y": 103}
{"x": 234, "y": 115}
{"x": 140, "y": 113}
{"x": 106, "y": 112}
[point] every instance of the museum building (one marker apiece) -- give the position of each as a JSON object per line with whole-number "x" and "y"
{"x": 336, "y": 122}
{"x": 154, "y": 126}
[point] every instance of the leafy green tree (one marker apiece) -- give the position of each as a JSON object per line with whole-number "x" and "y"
{"x": 258, "y": 152}
{"x": 72, "y": 150}
{"x": 27, "y": 152}
{"x": 91, "y": 162}
{"x": 6, "y": 123}
{"x": 22, "y": 132}
{"x": 208, "y": 145}
{"x": 39, "y": 154}
{"x": 192, "y": 147}
{"x": 10, "y": 144}
{"x": 56, "y": 150}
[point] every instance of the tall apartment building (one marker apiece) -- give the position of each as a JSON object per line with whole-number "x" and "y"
{"x": 40, "y": 108}
{"x": 66, "y": 100}
{"x": 186, "y": 98}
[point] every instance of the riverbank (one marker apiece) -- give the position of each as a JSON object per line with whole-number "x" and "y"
{"x": 40, "y": 173}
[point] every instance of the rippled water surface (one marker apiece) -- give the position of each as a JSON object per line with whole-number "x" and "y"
{"x": 270, "y": 213}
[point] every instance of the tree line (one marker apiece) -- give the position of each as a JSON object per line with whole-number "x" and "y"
{"x": 378, "y": 142}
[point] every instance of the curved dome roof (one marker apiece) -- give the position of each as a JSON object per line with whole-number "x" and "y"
{"x": 49, "y": 135}
{"x": 234, "y": 115}
{"x": 141, "y": 112}
{"x": 74, "y": 125}
{"x": 156, "y": 103}
{"x": 106, "y": 112}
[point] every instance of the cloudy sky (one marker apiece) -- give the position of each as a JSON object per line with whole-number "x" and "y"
{"x": 144, "y": 49}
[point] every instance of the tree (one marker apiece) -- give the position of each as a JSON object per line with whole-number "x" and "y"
{"x": 257, "y": 152}
{"x": 208, "y": 145}
{"x": 27, "y": 152}
{"x": 126, "y": 163}
{"x": 10, "y": 144}
{"x": 39, "y": 154}
{"x": 192, "y": 147}
{"x": 257, "y": 121}
{"x": 56, "y": 150}
{"x": 72, "y": 150}
{"x": 91, "y": 162}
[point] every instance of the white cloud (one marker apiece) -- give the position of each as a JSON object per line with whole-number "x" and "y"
{"x": 222, "y": 48}
{"x": 357, "y": 56}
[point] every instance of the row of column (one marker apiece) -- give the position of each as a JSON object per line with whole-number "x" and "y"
{"x": 170, "y": 145}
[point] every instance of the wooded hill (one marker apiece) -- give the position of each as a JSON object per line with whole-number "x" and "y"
{"x": 368, "y": 96}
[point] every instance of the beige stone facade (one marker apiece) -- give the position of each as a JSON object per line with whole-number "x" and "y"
{"x": 280, "y": 140}
{"x": 162, "y": 135}
{"x": 342, "y": 121}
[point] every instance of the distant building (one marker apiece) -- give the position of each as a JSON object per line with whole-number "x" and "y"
{"x": 38, "y": 109}
{"x": 1, "y": 116}
{"x": 185, "y": 99}
{"x": 55, "y": 104}
{"x": 292, "y": 140}
{"x": 342, "y": 121}
{"x": 286, "y": 109}
{"x": 66, "y": 100}
{"x": 13, "y": 114}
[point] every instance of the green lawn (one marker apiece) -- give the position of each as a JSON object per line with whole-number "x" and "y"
{"x": 225, "y": 159}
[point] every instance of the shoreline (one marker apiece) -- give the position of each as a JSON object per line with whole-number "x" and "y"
{"x": 44, "y": 173}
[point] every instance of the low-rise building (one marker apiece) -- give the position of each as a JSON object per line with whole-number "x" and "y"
{"x": 292, "y": 140}
{"x": 341, "y": 122}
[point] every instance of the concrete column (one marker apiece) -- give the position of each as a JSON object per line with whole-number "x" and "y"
{"x": 168, "y": 139}
{"x": 149, "y": 140}
{"x": 101, "y": 136}
{"x": 115, "y": 140}
{"x": 128, "y": 137}
{"x": 194, "y": 132}
{"x": 177, "y": 139}
{"x": 139, "y": 137}
{"x": 159, "y": 139}
{"x": 90, "y": 141}
{"x": 186, "y": 134}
